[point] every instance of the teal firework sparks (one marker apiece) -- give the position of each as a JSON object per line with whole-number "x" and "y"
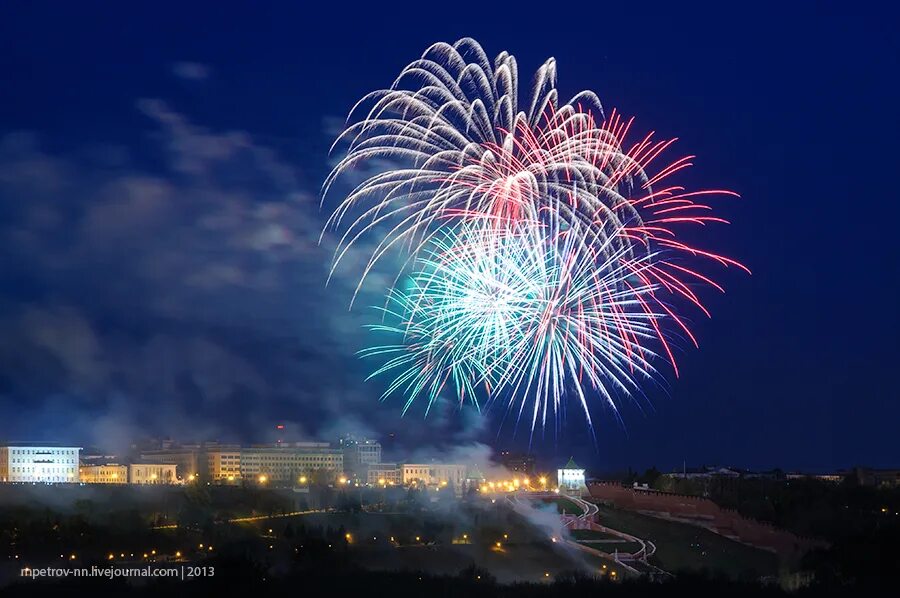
{"x": 519, "y": 317}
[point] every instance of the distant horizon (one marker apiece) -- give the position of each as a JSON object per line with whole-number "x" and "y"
{"x": 596, "y": 468}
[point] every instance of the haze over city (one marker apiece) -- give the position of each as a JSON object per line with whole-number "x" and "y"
{"x": 176, "y": 301}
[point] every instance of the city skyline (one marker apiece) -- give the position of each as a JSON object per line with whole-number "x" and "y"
{"x": 161, "y": 227}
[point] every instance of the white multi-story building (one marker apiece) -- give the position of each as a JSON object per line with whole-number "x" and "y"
{"x": 284, "y": 463}
{"x": 35, "y": 463}
{"x": 384, "y": 474}
{"x": 359, "y": 455}
{"x": 435, "y": 474}
{"x": 188, "y": 460}
{"x": 152, "y": 473}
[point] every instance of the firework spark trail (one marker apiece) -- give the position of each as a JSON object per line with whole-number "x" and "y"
{"x": 522, "y": 315}
{"x": 484, "y": 188}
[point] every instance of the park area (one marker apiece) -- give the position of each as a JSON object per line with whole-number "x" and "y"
{"x": 684, "y": 547}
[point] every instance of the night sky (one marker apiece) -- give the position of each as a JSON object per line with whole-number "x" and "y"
{"x": 159, "y": 187}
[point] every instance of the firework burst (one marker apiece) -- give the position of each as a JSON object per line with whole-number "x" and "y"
{"x": 545, "y": 245}
{"x": 520, "y": 316}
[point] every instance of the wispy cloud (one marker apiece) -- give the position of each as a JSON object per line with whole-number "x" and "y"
{"x": 176, "y": 298}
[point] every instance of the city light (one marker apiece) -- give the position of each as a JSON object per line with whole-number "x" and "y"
{"x": 263, "y": 479}
{"x": 303, "y": 479}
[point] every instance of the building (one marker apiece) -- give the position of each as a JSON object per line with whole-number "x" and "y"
{"x": 831, "y": 478}
{"x": 359, "y": 455}
{"x": 520, "y": 463}
{"x": 110, "y": 473}
{"x": 223, "y": 465}
{"x": 152, "y": 473}
{"x": 435, "y": 474}
{"x": 188, "y": 459}
{"x": 389, "y": 474}
{"x": 707, "y": 472}
{"x": 39, "y": 463}
{"x": 571, "y": 478}
{"x": 284, "y": 463}
{"x": 879, "y": 478}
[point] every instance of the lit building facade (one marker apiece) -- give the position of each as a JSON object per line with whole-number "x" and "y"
{"x": 571, "y": 478}
{"x": 285, "y": 463}
{"x": 223, "y": 465}
{"x": 104, "y": 474}
{"x": 435, "y": 474}
{"x": 42, "y": 464}
{"x": 152, "y": 473}
{"x": 187, "y": 460}
{"x": 384, "y": 474}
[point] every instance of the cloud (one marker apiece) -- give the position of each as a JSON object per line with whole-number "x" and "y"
{"x": 191, "y": 71}
{"x": 184, "y": 296}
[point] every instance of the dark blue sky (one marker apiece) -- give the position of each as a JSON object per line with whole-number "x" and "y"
{"x": 159, "y": 174}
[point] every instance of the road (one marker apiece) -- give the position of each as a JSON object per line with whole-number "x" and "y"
{"x": 635, "y": 563}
